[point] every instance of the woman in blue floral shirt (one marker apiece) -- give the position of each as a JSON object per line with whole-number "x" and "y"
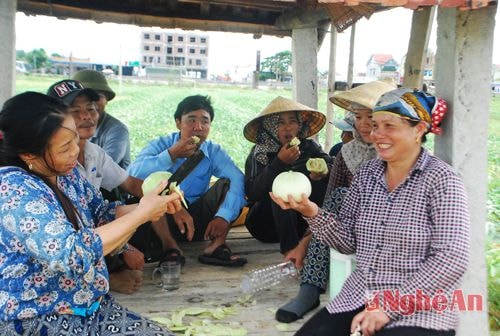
{"x": 55, "y": 229}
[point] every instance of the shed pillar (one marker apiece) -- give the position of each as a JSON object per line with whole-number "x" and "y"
{"x": 304, "y": 66}
{"x": 350, "y": 65}
{"x": 7, "y": 48}
{"x": 463, "y": 77}
{"x": 421, "y": 25}
{"x": 330, "y": 113}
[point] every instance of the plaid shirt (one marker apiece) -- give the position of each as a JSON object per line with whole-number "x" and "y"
{"x": 413, "y": 238}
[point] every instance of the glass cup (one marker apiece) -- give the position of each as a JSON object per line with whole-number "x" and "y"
{"x": 170, "y": 272}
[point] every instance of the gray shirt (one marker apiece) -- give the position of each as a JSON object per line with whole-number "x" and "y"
{"x": 112, "y": 136}
{"x": 100, "y": 169}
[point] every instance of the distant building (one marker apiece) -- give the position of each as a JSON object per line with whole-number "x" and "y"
{"x": 66, "y": 66}
{"x": 430, "y": 60}
{"x": 185, "y": 51}
{"x": 381, "y": 66}
{"x": 495, "y": 72}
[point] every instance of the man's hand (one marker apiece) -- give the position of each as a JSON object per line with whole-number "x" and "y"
{"x": 183, "y": 148}
{"x": 370, "y": 321}
{"x": 289, "y": 155}
{"x": 133, "y": 258}
{"x": 184, "y": 222}
{"x": 217, "y": 228}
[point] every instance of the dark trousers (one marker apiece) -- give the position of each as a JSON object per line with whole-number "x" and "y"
{"x": 325, "y": 324}
{"x": 268, "y": 223}
{"x": 202, "y": 210}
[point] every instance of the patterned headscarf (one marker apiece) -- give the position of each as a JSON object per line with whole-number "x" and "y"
{"x": 413, "y": 105}
{"x": 267, "y": 136}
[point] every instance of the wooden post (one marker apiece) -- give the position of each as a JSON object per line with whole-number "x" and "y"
{"x": 7, "y": 49}
{"x": 350, "y": 66}
{"x": 463, "y": 77}
{"x": 330, "y": 114}
{"x": 421, "y": 26}
{"x": 304, "y": 66}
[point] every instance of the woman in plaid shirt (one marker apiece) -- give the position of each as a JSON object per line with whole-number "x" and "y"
{"x": 406, "y": 218}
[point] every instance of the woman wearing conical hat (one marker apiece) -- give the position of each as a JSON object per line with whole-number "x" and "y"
{"x": 358, "y": 102}
{"x": 271, "y": 131}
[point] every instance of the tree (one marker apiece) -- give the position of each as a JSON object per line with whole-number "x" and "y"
{"x": 37, "y": 58}
{"x": 278, "y": 64}
{"x": 20, "y": 54}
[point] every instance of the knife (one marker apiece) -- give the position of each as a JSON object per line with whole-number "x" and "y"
{"x": 185, "y": 169}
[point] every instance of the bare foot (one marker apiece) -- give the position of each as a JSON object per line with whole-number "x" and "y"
{"x": 126, "y": 281}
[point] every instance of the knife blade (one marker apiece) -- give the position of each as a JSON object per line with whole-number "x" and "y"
{"x": 185, "y": 168}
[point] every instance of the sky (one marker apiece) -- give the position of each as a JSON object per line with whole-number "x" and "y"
{"x": 384, "y": 33}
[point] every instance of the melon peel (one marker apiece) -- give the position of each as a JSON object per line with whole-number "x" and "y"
{"x": 202, "y": 326}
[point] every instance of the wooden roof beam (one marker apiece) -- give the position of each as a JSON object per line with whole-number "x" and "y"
{"x": 301, "y": 19}
{"x": 275, "y": 5}
{"x": 205, "y": 8}
{"x": 143, "y": 20}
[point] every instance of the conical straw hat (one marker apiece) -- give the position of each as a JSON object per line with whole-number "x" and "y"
{"x": 315, "y": 119}
{"x": 365, "y": 94}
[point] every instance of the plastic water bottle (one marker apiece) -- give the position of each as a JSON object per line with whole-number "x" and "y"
{"x": 266, "y": 277}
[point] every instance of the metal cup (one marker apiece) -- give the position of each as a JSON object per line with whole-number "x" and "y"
{"x": 170, "y": 272}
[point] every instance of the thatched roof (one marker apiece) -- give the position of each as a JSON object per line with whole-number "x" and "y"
{"x": 258, "y": 17}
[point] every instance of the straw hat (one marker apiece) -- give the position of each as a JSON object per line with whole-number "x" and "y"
{"x": 315, "y": 119}
{"x": 365, "y": 94}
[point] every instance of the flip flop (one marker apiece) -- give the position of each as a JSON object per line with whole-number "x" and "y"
{"x": 221, "y": 256}
{"x": 173, "y": 254}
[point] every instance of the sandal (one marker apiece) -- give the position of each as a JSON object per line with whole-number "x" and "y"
{"x": 222, "y": 256}
{"x": 172, "y": 254}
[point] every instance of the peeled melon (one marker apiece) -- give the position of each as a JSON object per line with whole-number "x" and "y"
{"x": 291, "y": 183}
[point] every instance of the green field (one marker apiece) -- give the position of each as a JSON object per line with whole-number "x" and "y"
{"x": 147, "y": 109}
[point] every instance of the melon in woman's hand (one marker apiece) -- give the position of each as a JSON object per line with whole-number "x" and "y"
{"x": 317, "y": 165}
{"x": 291, "y": 183}
{"x": 153, "y": 180}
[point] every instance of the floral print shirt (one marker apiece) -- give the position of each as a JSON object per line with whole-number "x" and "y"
{"x": 46, "y": 266}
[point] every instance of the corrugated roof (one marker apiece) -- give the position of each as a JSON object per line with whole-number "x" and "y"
{"x": 346, "y": 12}
{"x": 381, "y": 58}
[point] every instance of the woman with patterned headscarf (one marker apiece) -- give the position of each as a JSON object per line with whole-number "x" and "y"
{"x": 359, "y": 103}
{"x": 271, "y": 131}
{"x": 406, "y": 218}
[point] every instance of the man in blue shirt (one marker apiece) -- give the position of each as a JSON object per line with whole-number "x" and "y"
{"x": 211, "y": 209}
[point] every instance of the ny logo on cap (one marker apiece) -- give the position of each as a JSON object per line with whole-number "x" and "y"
{"x": 66, "y": 87}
